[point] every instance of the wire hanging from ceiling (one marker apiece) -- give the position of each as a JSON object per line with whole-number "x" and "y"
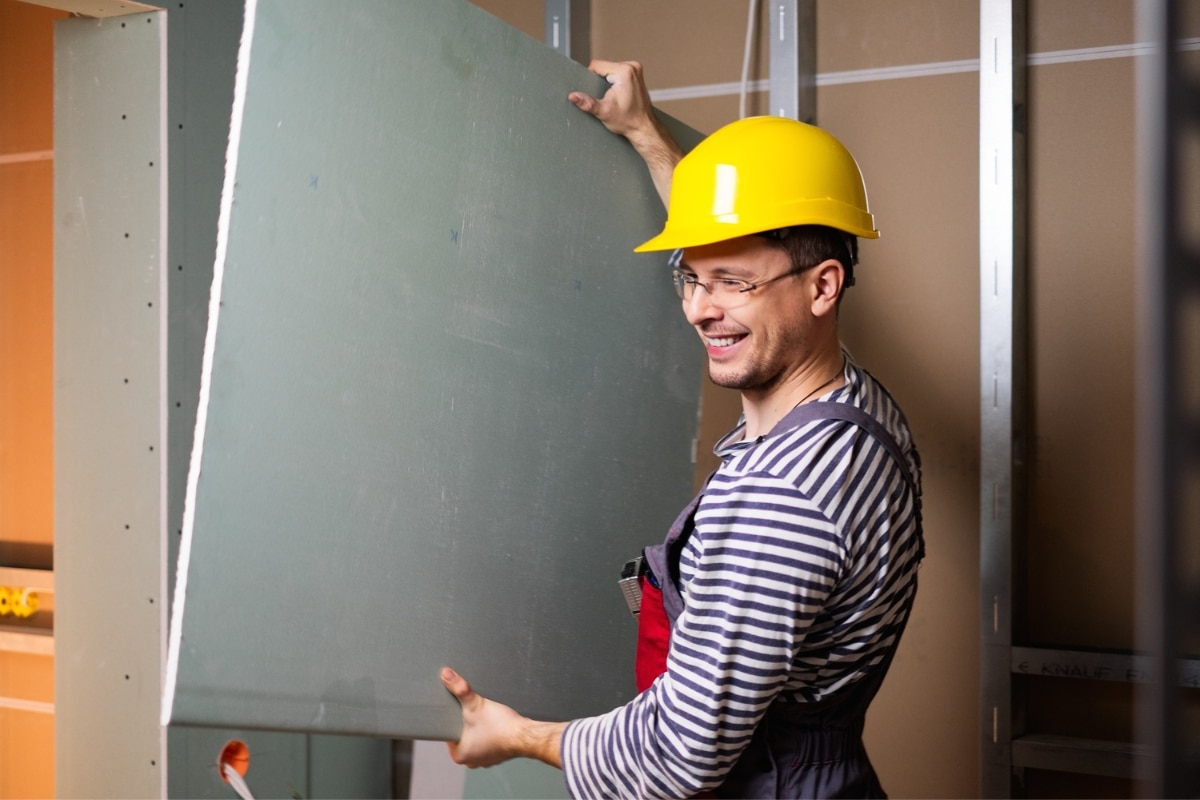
{"x": 751, "y": 23}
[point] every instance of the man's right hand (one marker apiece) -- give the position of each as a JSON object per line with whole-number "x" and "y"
{"x": 625, "y": 110}
{"x": 493, "y": 733}
{"x": 625, "y": 107}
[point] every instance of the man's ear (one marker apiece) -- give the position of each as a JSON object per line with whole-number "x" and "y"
{"x": 828, "y": 278}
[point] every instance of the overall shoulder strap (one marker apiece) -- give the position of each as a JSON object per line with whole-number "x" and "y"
{"x": 811, "y": 412}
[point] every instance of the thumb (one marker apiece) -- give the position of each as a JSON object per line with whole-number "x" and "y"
{"x": 584, "y": 102}
{"x": 457, "y": 685}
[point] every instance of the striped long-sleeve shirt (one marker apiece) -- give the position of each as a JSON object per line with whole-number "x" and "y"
{"x": 797, "y": 581}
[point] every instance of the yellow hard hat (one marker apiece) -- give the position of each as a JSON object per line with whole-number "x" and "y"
{"x": 759, "y": 174}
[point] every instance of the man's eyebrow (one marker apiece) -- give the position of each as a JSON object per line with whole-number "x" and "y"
{"x": 736, "y": 273}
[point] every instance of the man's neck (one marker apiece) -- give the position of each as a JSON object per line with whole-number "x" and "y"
{"x": 763, "y": 409}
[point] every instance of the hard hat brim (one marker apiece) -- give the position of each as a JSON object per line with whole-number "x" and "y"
{"x": 675, "y": 237}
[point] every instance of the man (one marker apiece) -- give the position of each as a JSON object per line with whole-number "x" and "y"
{"x": 788, "y": 582}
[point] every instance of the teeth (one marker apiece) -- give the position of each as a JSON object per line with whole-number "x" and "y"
{"x": 726, "y": 342}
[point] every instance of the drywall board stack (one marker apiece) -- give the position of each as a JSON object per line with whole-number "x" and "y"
{"x": 443, "y": 401}
{"x": 109, "y": 409}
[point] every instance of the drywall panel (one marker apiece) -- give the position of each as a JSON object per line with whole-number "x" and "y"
{"x": 109, "y": 409}
{"x": 445, "y": 403}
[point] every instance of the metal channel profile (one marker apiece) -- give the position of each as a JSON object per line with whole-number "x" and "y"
{"x": 1082, "y": 756}
{"x": 793, "y": 82}
{"x": 1106, "y": 758}
{"x": 569, "y": 28}
{"x": 1002, "y": 260}
{"x": 1168, "y": 319}
{"x": 1121, "y": 667}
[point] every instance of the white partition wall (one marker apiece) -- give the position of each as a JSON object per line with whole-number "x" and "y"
{"x": 110, "y": 407}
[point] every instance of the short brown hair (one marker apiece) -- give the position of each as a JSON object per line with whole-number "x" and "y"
{"x": 809, "y": 245}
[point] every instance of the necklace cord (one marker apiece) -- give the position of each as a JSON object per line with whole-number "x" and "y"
{"x": 831, "y": 379}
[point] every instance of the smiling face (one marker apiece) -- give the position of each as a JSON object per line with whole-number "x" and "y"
{"x": 765, "y": 343}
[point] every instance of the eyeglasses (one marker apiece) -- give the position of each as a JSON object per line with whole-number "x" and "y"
{"x": 722, "y": 292}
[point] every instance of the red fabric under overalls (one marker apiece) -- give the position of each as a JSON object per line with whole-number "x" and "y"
{"x": 654, "y": 636}
{"x": 798, "y": 749}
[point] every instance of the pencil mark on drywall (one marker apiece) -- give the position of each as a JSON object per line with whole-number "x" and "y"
{"x": 313, "y": 181}
{"x": 87, "y": 233}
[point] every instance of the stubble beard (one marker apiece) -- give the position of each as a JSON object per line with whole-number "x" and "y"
{"x": 763, "y": 372}
{"x": 753, "y": 377}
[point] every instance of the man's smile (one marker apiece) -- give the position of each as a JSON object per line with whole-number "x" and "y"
{"x": 718, "y": 343}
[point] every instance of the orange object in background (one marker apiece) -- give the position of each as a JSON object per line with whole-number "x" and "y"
{"x": 236, "y": 754}
{"x": 26, "y": 368}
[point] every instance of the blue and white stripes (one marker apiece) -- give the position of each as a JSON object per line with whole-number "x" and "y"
{"x": 797, "y": 581}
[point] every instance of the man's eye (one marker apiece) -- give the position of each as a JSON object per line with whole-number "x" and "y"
{"x": 727, "y": 285}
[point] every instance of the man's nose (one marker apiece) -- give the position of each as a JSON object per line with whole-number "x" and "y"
{"x": 699, "y": 307}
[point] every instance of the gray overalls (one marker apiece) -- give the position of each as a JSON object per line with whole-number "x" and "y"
{"x": 798, "y": 749}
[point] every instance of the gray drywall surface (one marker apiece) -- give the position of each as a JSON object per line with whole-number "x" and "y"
{"x": 446, "y": 401}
